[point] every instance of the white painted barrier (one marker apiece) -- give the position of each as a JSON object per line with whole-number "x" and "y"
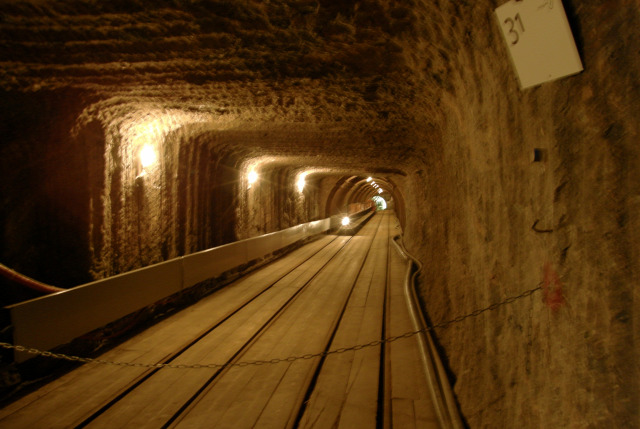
{"x": 53, "y": 320}
{"x": 56, "y": 319}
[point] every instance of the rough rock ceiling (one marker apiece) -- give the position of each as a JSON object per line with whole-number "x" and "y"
{"x": 305, "y": 70}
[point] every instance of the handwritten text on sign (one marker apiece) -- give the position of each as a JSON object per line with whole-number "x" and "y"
{"x": 539, "y": 39}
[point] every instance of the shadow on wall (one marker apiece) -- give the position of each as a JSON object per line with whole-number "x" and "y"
{"x": 206, "y": 189}
{"x": 44, "y": 189}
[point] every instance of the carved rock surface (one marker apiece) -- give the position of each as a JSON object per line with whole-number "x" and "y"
{"x": 498, "y": 190}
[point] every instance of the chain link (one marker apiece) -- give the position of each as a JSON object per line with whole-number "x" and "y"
{"x": 307, "y": 356}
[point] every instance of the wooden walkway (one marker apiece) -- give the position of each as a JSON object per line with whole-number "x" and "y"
{"x": 334, "y": 293}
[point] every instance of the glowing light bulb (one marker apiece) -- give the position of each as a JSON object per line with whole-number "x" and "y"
{"x": 148, "y": 156}
{"x": 380, "y": 190}
{"x": 369, "y": 179}
{"x": 345, "y": 221}
{"x": 252, "y": 177}
{"x": 300, "y": 183}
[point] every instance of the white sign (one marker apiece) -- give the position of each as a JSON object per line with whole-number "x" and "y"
{"x": 539, "y": 39}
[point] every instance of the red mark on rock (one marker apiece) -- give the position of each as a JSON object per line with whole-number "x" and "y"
{"x": 552, "y": 289}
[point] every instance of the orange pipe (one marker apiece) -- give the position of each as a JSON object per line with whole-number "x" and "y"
{"x": 27, "y": 281}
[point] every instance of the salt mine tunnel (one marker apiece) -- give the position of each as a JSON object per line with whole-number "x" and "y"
{"x": 138, "y": 132}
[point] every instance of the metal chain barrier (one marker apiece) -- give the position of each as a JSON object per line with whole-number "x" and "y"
{"x": 441, "y": 325}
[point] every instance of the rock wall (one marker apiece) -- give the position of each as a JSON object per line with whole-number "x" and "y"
{"x": 43, "y": 188}
{"x": 536, "y": 188}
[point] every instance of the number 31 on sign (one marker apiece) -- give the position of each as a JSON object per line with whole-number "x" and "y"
{"x": 539, "y": 40}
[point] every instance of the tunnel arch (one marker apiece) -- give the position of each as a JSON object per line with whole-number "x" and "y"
{"x": 420, "y": 93}
{"x": 352, "y": 189}
{"x": 197, "y": 195}
{"x": 381, "y": 203}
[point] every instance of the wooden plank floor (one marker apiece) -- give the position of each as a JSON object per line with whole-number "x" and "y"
{"x": 334, "y": 293}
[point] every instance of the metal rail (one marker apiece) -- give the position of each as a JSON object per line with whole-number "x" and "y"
{"x": 28, "y": 282}
{"x": 442, "y": 395}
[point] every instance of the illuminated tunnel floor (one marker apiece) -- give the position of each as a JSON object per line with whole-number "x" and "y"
{"x": 268, "y": 329}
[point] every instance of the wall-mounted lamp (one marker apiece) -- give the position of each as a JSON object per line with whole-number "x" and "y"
{"x": 252, "y": 178}
{"x": 300, "y": 183}
{"x": 148, "y": 156}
